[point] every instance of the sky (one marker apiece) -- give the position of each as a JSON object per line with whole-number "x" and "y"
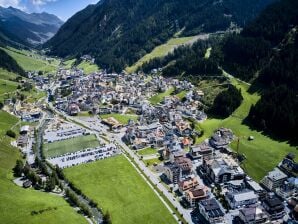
{"x": 61, "y": 8}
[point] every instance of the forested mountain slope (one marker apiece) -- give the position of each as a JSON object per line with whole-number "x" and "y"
{"x": 118, "y": 33}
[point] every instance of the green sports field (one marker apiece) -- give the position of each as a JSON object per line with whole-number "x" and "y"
{"x": 119, "y": 189}
{"x": 16, "y": 203}
{"x": 70, "y": 145}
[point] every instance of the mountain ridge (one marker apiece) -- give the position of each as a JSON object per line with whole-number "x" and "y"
{"x": 28, "y": 29}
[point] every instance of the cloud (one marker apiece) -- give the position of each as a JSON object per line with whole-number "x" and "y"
{"x": 7, "y": 3}
{"x": 41, "y": 2}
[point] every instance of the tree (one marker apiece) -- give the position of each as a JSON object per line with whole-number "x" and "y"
{"x": 18, "y": 169}
{"x": 1, "y": 105}
{"x": 11, "y": 134}
{"x": 107, "y": 218}
{"x": 50, "y": 184}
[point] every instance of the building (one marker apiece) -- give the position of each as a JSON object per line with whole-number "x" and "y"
{"x": 252, "y": 185}
{"x": 185, "y": 165}
{"x": 221, "y": 138}
{"x": 239, "y": 199}
{"x": 274, "y": 207}
{"x": 222, "y": 170}
{"x": 252, "y": 215}
{"x": 22, "y": 141}
{"x": 188, "y": 183}
{"x": 274, "y": 179}
{"x": 194, "y": 195}
{"x": 24, "y": 130}
{"x": 288, "y": 164}
{"x": 288, "y": 188}
{"x": 173, "y": 173}
{"x": 203, "y": 150}
{"x": 212, "y": 211}
{"x": 73, "y": 109}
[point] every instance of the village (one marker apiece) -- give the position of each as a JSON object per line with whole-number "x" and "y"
{"x": 153, "y": 118}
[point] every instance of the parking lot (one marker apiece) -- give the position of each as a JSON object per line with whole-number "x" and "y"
{"x": 85, "y": 156}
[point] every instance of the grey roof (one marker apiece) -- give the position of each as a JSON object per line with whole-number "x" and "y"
{"x": 212, "y": 207}
{"x": 243, "y": 196}
{"x": 276, "y": 175}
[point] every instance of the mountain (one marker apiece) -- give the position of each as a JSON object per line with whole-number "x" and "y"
{"x": 18, "y": 27}
{"x": 246, "y": 54}
{"x": 118, "y": 33}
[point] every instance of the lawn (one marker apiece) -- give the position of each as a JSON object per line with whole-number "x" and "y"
{"x": 122, "y": 118}
{"x": 69, "y": 63}
{"x": 147, "y": 151}
{"x": 208, "y": 53}
{"x": 34, "y": 95}
{"x": 158, "y": 98}
{"x": 263, "y": 153}
{"x": 151, "y": 162}
{"x": 160, "y": 51}
{"x": 70, "y": 145}
{"x": 88, "y": 67}
{"x": 7, "y": 86}
{"x": 16, "y": 203}
{"x": 6, "y": 75}
{"x": 28, "y": 63}
{"x": 182, "y": 94}
{"x": 116, "y": 186}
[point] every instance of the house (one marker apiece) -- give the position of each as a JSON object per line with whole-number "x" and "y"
{"x": 212, "y": 211}
{"x": 274, "y": 207}
{"x": 236, "y": 185}
{"x": 112, "y": 123}
{"x": 252, "y": 215}
{"x": 221, "y": 138}
{"x": 73, "y": 109}
{"x": 288, "y": 188}
{"x": 222, "y": 170}
{"x": 140, "y": 143}
{"x": 185, "y": 165}
{"x": 188, "y": 183}
{"x": 203, "y": 150}
{"x": 274, "y": 179}
{"x": 22, "y": 141}
{"x": 194, "y": 195}
{"x": 252, "y": 185}
{"x": 24, "y": 130}
{"x": 239, "y": 199}
{"x": 173, "y": 173}
{"x": 288, "y": 164}
{"x": 183, "y": 128}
